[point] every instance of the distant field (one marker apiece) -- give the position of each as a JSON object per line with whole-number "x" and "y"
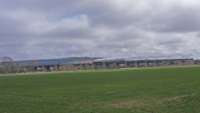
{"x": 159, "y": 90}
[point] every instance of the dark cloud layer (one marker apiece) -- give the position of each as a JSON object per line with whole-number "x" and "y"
{"x": 31, "y": 29}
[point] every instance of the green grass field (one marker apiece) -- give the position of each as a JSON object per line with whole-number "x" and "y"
{"x": 159, "y": 90}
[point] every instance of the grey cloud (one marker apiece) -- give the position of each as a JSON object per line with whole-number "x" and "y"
{"x": 177, "y": 20}
{"x": 108, "y": 28}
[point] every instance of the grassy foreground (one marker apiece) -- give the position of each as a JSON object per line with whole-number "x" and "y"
{"x": 164, "y": 90}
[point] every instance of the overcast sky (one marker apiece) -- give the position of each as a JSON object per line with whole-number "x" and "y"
{"x": 34, "y": 29}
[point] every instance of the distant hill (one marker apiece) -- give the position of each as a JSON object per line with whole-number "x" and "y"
{"x": 61, "y": 61}
{"x": 5, "y": 59}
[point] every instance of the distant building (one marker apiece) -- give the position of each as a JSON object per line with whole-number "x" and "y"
{"x": 85, "y": 63}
